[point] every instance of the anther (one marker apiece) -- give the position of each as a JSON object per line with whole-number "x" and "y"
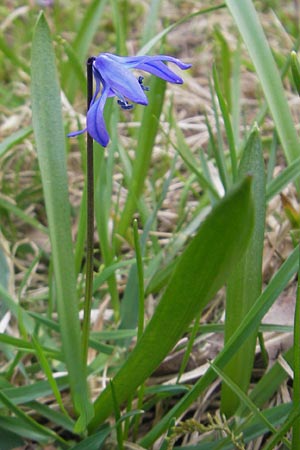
{"x": 141, "y": 80}
{"x": 124, "y": 104}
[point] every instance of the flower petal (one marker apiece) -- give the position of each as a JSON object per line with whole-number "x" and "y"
{"x": 95, "y": 121}
{"x": 76, "y": 133}
{"x": 154, "y": 65}
{"x": 161, "y": 70}
{"x": 119, "y": 79}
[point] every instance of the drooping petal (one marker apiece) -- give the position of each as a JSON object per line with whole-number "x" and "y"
{"x": 95, "y": 120}
{"x": 119, "y": 79}
{"x": 76, "y": 133}
{"x": 154, "y": 65}
{"x": 134, "y": 61}
{"x": 161, "y": 70}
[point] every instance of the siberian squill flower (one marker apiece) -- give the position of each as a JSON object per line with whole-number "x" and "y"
{"x": 114, "y": 78}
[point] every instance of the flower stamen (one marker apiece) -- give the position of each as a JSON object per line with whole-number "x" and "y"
{"x": 141, "y": 81}
{"x": 124, "y": 104}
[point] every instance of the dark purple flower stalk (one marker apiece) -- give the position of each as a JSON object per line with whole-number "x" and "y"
{"x": 113, "y": 77}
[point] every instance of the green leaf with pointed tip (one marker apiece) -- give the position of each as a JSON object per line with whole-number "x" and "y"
{"x": 50, "y": 141}
{"x": 200, "y": 272}
{"x": 245, "y": 283}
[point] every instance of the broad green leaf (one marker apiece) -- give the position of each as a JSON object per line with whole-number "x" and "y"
{"x": 245, "y": 282}
{"x": 201, "y": 270}
{"x": 50, "y": 141}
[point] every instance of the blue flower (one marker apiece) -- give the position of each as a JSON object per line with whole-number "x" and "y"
{"x": 113, "y": 77}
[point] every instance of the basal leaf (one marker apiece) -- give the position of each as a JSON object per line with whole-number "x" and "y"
{"x": 201, "y": 270}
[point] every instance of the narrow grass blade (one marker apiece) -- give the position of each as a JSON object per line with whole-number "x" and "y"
{"x": 236, "y": 98}
{"x": 283, "y": 179}
{"x": 140, "y": 276}
{"x": 245, "y": 283}
{"x": 120, "y": 17}
{"x": 50, "y": 413}
{"x": 225, "y": 71}
{"x": 21, "y": 428}
{"x": 159, "y": 36}
{"x": 95, "y": 441}
{"x": 82, "y": 42}
{"x": 219, "y": 242}
{"x": 11, "y": 54}
{"x": 272, "y": 158}
{"x": 75, "y": 65}
{"x": 24, "y": 345}
{"x": 130, "y": 303}
{"x": 251, "y": 321}
{"x": 32, "y": 392}
{"x": 245, "y": 400}
{"x": 18, "y": 212}
{"x": 295, "y": 66}
{"x": 44, "y": 432}
{"x": 275, "y": 415}
{"x": 149, "y": 28}
{"x": 50, "y": 139}
{"x": 186, "y": 154}
{"x": 252, "y": 33}
{"x": 117, "y": 413}
{"x": 147, "y": 134}
{"x": 108, "y": 271}
{"x": 103, "y": 193}
{"x": 14, "y": 139}
{"x": 296, "y": 378}
{"x": 16, "y": 310}
{"x": 283, "y": 430}
{"x": 269, "y": 384}
{"x": 227, "y": 123}
{"x": 216, "y": 145}
{"x": 48, "y": 372}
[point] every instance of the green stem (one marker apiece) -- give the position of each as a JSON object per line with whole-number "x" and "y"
{"x": 90, "y": 222}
